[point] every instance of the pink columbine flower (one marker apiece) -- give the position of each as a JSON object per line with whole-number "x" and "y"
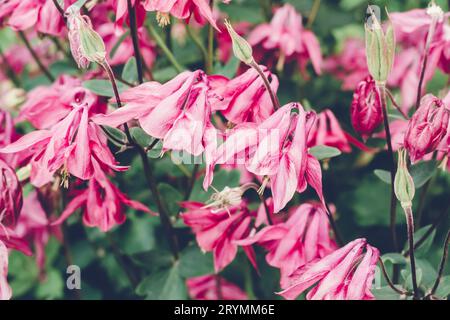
{"x": 216, "y": 230}
{"x": 71, "y": 145}
{"x": 102, "y": 202}
{"x": 10, "y": 196}
{"x": 245, "y": 98}
{"x": 42, "y": 15}
{"x": 125, "y": 51}
{"x": 8, "y": 135}
{"x": 285, "y": 33}
{"x": 213, "y": 287}
{"x": 349, "y": 66}
{"x": 181, "y": 9}
{"x": 427, "y": 127}
{"x": 303, "y": 238}
{"x": 345, "y": 274}
{"x": 178, "y": 112}
{"x": 366, "y": 112}
{"x": 328, "y": 132}
{"x": 46, "y": 106}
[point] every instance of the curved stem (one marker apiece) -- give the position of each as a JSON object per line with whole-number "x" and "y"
{"x": 412, "y": 259}
{"x": 135, "y": 39}
{"x": 389, "y": 281}
{"x": 333, "y": 225}
{"x": 273, "y": 96}
{"x": 210, "y": 57}
{"x": 36, "y": 57}
{"x": 393, "y": 208}
{"x": 395, "y": 104}
{"x": 442, "y": 264}
{"x": 160, "y": 42}
{"x": 192, "y": 181}
{"x": 313, "y": 15}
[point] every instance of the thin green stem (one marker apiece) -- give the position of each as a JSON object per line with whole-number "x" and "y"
{"x": 389, "y": 281}
{"x": 273, "y": 96}
{"x": 442, "y": 264}
{"x": 412, "y": 259}
{"x": 162, "y": 45}
{"x": 135, "y": 39}
{"x": 313, "y": 15}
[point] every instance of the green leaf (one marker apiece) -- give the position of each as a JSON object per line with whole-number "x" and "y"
{"x": 384, "y": 175}
{"x": 324, "y": 152}
{"x": 163, "y": 285}
{"x": 424, "y": 248}
{"x": 156, "y": 151}
{"x": 194, "y": 263}
{"x": 407, "y": 277}
{"x": 52, "y": 287}
{"x": 129, "y": 72}
{"x": 116, "y": 135}
{"x": 171, "y": 197}
{"x": 443, "y": 290}
{"x": 137, "y": 234}
{"x": 103, "y": 87}
{"x": 229, "y": 70}
{"x": 385, "y": 293}
{"x": 422, "y": 172}
{"x": 221, "y": 180}
{"x": 141, "y": 137}
{"x": 394, "y": 258}
{"x": 153, "y": 260}
{"x": 23, "y": 273}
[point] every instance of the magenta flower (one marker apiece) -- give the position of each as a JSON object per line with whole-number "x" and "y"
{"x": 328, "y": 132}
{"x": 8, "y": 135}
{"x": 40, "y": 14}
{"x": 285, "y": 33}
{"x": 217, "y": 230}
{"x": 427, "y": 127}
{"x": 182, "y": 9}
{"x": 303, "y": 238}
{"x": 10, "y": 196}
{"x": 245, "y": 99}
{"x": 345, "y": 274}
{"x": 46, "y": 106}
{"x": 102, "y": 202}
{"x": 213, "y": 287}
{"x": 71, "y": 146}
{"x": 366, "y": 112}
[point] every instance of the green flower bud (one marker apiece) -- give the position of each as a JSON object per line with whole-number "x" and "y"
{"x": 380, "y": 48}
{"x": 404, "y": 184}
{"x": 241, "y": 48}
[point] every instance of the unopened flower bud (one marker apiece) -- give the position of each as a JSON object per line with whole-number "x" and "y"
{"x": 380, "y": 48}
{"x": 366, "y": 112}
{"x": 404, "y": 184}
{"x": 241, "y": 48}
{"x": 10, "y": 196}
{"x": 86, "y": 44}
{"x": 427, "y": 127}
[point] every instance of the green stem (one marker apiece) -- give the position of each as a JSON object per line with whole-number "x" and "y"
{"x": 313, "y": 15}
{"x": 442, "y": 264}
{"x": 388, "y": 280}
{"x": 135, "y": 39}
{"x": 160, "y": 42}
{"x": 412, "y": 259}
{"x": 273, "y": 96}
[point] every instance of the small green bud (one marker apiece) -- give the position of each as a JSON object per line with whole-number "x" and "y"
{"x": 404, "y": 184}
{"x": 380, "y": 48}
{"x": 241, "y": 48}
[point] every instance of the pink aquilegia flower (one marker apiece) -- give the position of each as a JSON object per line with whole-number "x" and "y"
{"x": 42, "y": 15}
{"x": 102, "y": 202}
{"x": 345, "y": 274}
{"x": 366, "y": 112}
{"x": 10, "y": 196}
{"x": 349, "y": 66}
{"x": 213, "y": 287}
{"x": 46, "y": 106}
{"x": 328, "y": 132}
{"x": 216, "y": 230}
{"x": 181, "y": 9}
{"x": 245, "y": 98}
{"x": 71, "y": 146}
{"x": 8, "y": 135}
{"x": 178, "y": 112}
{"x": 286, "y": 34}
{"x": 303, "y": 238}
{"x": 427, "y": 127}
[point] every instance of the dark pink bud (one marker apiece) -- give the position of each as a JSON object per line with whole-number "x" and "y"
{"x": 10, "y": 196}
{"x": 366, "y": 112}
{"x": 427, "y": 127}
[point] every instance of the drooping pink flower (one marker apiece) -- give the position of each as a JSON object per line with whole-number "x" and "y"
{"x": 46, "y": 106}
{"x": 213, "y": 287}
{"x": 42, "y": 15}
{"x": 125, "y": 51}
{"x": 286, "y": 34}
{"x": 71, "y": 145}
{"x": 345, "y": 274}
{"x": 183, "y": 9}
{"x": 245, "y": 98}
{"x": 102, "y": 202}
{"x": 349, "y": 66}
{"x": 328, "y": 132}
{"x": 427, "y": 127}
{"x": 217, "y": 230}
{"x": 10, "y": 196}
{"x": 303, "y": 238}
{"x": 366, "y": 112}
